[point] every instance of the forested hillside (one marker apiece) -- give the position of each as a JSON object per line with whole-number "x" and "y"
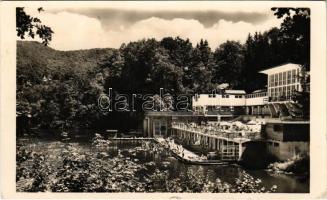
{"x": 61, "y": 88}
{"x": 57, "y": 87}
{"x": 37, "y": 61}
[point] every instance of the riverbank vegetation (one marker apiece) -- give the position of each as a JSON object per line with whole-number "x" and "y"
{"x": 299, "y": 165}
{"x": 68, "y": 167}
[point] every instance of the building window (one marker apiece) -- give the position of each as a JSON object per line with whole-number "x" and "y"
{"x": 284, "y": 78}
{"x": 276, "y": 79}
{"x": 280, "y": 79}
{"x": 293, "y": 76}
{"x": 288, "y": 92}
{"x": 277, "y": 92}
{"x": 289, "y": 77}
{"x": 280, "y": 92}
{"x": 160, "y": 128}
{"x": 227, "y": 96}
{"x": 273, "y": 93}
{"x": 272, "y": 80}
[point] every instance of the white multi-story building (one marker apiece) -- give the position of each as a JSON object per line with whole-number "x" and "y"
{"x": 282, "y": 81}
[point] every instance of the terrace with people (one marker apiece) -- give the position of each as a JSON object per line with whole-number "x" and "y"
{"x": 250, "y": 130}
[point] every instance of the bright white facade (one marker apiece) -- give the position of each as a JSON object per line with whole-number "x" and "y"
{"x": 282, "y": 81}
{"x": 229, "y": 98}
{"x": 256, "y": 99}
{"x": 276, "y": 100}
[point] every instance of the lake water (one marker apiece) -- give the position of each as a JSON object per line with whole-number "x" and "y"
{"x": 175, "y": 168}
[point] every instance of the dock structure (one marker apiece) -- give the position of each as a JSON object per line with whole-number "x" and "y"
{"x": 184, "y": 155}
{"x": 229, "y": 146}
{"x": 131, "y": 138}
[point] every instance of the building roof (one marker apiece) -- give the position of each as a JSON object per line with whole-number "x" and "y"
{"x": 279, "y": 121}
{"x": 259, "y": 91}
{"x": 280, "y": 68}
{"x": 170, "y": 113}
{"x": 235, "y": 92}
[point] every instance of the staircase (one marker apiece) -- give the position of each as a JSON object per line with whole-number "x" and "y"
{"x": 283, "y": 109}
{"x": 294, "y": 110}
{"x": 272, "y": 110}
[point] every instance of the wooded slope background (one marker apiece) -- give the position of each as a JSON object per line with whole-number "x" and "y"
{"x": 62, "y": 87}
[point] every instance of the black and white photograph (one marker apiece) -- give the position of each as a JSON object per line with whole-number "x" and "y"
{"x": 163, "y": 97}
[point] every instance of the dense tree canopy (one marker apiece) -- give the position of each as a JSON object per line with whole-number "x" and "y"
{"x": 229, "y": 63}
{"x": 61, "y": 89}
{"x": 295, "y": 33}
{"x": 25, "y": 24}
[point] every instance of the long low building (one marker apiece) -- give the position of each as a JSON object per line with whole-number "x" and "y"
{"x": 275, "y": 101}
{"x": 281, "y": 139}
{"x": 283, "y": 133}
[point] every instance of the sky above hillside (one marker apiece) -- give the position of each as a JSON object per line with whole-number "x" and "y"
{"x": 109, "y": 24}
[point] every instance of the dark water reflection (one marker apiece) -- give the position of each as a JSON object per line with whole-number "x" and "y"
{"x": 175, "y": 168}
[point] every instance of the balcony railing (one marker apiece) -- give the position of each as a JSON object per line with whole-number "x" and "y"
{"x": 280, "y": 98}
{"x": 218, "y": 132}
{"x": 256, "y": 95}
